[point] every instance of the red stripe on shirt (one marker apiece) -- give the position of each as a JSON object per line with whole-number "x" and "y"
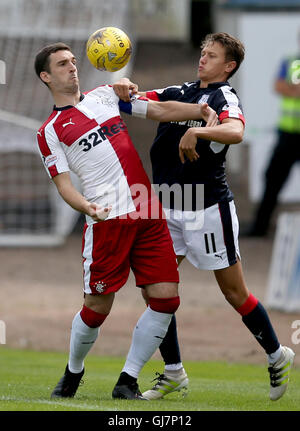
{"x": 42, "y": 143}
{"x": 69, "y": 133}
{"x": 152, "y": 95}
{"x": 130, "y": 161}
{"x": 45, "y": 150}
{"x": 225, "y": 114}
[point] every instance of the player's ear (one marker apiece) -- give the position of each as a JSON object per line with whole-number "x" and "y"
{"x": 230, "y": 66}
{"x": 45, "y": 77}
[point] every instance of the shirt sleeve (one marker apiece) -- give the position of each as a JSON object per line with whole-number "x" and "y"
{"x": 228, "y": 105}
{"x": 51, "y": 152}
{"x": 164, "y": 94}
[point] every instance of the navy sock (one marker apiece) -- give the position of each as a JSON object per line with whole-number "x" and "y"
{"x": 169, "y": 347}
{"x": 258, "y": 322}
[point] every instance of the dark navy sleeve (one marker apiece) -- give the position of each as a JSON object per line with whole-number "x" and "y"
{"x": 227, "y": 104}
{"x": 164, "y": 94}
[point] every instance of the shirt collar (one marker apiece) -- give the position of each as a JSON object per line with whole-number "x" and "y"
{"x": 213, "y": 84}
{"x": 63, "y": 108}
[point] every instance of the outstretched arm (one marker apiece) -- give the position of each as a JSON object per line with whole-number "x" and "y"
{"x": 178, "y": 111}
{"x": 169, "y": 110}
{"x": 229, "y": 132}
{"x": 75, "y": 199}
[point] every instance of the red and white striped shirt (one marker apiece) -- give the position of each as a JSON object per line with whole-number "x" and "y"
{"x": 91, "y": 140}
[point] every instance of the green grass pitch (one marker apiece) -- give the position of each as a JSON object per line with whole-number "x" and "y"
{"x": 28, "y": 377}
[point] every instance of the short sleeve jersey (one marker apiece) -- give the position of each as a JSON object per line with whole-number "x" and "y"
{"x": 209, "y": 169}
{"x": 91, "y": 140}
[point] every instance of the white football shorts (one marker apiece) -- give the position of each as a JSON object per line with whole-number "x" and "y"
{"x": 207, "y": 238}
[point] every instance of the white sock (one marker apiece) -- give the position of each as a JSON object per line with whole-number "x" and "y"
{"x": 147, "y": 336}
{"x": 173, "y": 367}
{"x": 273, "y": 357}
{"x": 82, "y": 340}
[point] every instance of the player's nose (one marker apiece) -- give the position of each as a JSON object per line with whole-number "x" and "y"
{"x": 72, "y": 67}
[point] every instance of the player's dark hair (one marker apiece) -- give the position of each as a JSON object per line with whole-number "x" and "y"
{"x": 234, "y": 49}
{"x": 42, "y": 59}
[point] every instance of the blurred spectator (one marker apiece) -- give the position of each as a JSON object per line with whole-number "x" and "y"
{"x": 287, "y": 149}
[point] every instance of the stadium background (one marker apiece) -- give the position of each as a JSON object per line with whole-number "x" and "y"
{"x": 41, "y": 285}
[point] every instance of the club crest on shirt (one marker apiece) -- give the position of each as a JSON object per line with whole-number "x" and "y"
{"x": 106, "y": 101}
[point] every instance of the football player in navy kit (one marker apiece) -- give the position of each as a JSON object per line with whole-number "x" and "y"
{"x": 188, "y": 153}
{"x": 85, "y": 134}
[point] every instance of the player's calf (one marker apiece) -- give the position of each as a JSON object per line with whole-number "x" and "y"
{"x": 85, "y": 329}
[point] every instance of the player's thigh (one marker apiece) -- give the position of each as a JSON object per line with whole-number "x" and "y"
{"x": 106, "y": 249}
{"x": 144, "y": 292}
{"x": 161, "y": 290}
{"x": 175, "y": 223}
{"x": 152, "y": 257}
{"x": 215, "y": 244}
{"x": 100, "y": 303}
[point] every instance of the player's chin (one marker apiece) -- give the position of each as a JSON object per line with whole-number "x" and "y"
{"x": 200, "y": 74}
{"x": 74, "y": 87}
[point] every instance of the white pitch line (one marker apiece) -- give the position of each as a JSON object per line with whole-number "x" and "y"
{"x": 58, "y": 403}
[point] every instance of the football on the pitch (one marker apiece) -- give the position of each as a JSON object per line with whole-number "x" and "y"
{"x": 109, "y": 49}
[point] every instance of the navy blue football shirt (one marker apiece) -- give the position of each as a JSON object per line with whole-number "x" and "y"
{"x": 209, "y": 169}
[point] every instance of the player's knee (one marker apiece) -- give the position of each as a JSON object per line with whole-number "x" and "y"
{"x": 236, "y": 297}
{"x": 91, "y": 318}
{"x": 164, "y": 305}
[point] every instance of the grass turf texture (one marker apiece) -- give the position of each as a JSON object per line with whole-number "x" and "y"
{"x": 27, "y": 379}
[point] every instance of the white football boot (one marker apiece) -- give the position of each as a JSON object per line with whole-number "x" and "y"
{"x": 166, "y": 384}
{"x": 280, "y": 373}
